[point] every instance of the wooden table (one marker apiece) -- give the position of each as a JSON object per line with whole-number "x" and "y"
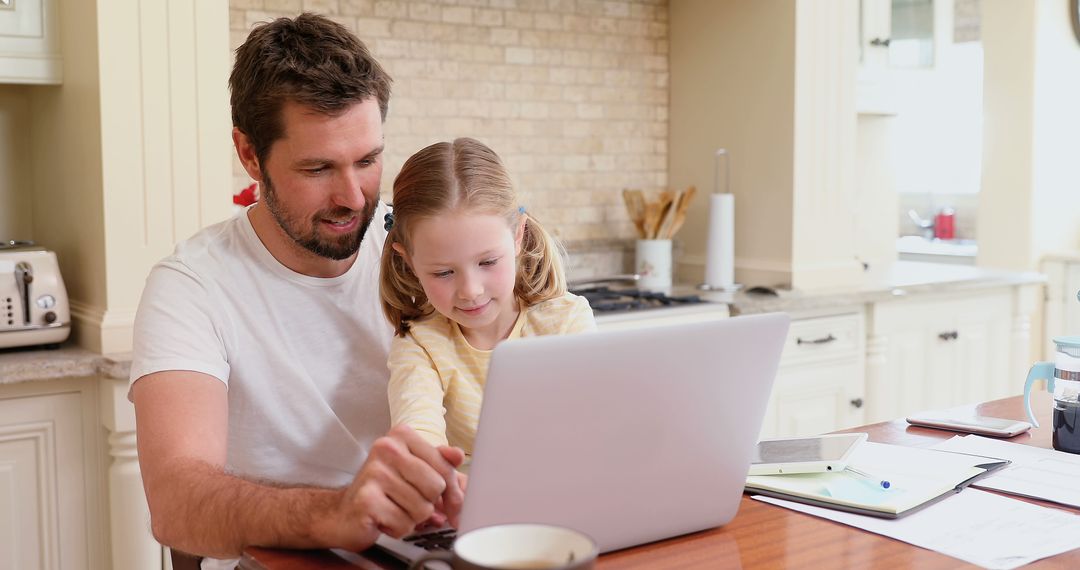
{"x": 763, "y": 535}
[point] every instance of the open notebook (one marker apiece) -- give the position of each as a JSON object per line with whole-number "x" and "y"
{"x": 915, "y": 478}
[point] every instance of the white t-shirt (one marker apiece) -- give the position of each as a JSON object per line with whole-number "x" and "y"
{"x": 303, "y": 358}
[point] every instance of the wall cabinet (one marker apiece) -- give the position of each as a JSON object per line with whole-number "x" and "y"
{"x": 905, "y": 35}
{"x": 819, "y": 386}
{"x": 30, "y": 42}
{"x": 874, "y": 89}
{"x": 940, "y": 351}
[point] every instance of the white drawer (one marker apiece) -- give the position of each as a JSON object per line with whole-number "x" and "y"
{"x": 823, "y": 338}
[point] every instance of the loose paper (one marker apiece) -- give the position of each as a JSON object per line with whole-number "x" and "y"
{"x": 975, "y": 526}
{"x": 1035, "y": 472}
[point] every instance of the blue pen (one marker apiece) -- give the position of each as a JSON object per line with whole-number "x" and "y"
{"x": 884, "y": 484}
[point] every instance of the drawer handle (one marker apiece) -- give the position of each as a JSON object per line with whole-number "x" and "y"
{"x": 822, "y": 340}
{"x": 857, "y": 402}
{"x": 950, "y": 335}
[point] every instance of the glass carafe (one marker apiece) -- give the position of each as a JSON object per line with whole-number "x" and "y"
{"x": 1063, "y": 381}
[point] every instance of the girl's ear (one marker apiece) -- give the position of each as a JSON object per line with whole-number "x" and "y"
{"x": 519, "y": 235}
{"x": 401, "y": 251}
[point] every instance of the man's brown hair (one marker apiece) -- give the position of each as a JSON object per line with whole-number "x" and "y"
{"x": 310, "y": 60}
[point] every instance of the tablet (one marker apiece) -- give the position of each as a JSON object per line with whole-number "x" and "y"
{"x": 804, "y": 454}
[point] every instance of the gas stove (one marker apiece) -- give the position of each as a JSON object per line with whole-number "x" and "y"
{"x": 634, "y": 308}
{"x": 608, "y": 300}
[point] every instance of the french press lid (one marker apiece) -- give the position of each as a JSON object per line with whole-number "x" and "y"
{"x": 1068, "y": 344}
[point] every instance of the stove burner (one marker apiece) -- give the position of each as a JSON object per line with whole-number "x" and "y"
{"x": 607, "y": 300}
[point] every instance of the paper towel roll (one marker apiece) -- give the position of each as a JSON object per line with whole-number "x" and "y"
{"x": 720, "y": 247}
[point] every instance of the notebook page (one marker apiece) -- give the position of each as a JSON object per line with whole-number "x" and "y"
{"x": 914, "y": 476}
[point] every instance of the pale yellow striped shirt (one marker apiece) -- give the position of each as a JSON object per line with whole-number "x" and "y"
{"x": 437, "y": 378}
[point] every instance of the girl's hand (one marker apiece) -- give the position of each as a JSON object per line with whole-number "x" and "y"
{"x": 448, "y": 507}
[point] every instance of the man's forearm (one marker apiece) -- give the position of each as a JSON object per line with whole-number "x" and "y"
{"x": 198, "y": 508}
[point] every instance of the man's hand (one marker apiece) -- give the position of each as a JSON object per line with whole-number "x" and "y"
{"x": 182, "y": 420}
{"x": 402, "y": 483}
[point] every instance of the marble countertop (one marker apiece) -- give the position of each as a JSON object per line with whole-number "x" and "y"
{"x": 27, "y": 365}
{"x": 901, "y": 279}
{"x": 1067, "y": 256}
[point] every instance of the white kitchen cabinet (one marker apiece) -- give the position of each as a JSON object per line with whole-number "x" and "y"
{"x": 47, "y": 518}
{"x": 819, "y": 386}
{"x": 30, "y": 42}
{"x": 1062, "y": 305}
{"x": 942, "y": 350}
{"x": 71, "y": 494}
{"x": 875, "y": 92}
{"x": 896, "y": 38}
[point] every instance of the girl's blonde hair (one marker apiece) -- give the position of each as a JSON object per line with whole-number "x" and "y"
{"x": 461, "y": 176}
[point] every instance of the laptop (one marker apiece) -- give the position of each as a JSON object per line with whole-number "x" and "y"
{"x": 630, "y": 436}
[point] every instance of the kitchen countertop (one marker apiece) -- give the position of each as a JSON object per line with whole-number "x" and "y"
{"x": 1067, "y": 256}
{"x": 901, "y": 279}
{"x": 26, "y": 365}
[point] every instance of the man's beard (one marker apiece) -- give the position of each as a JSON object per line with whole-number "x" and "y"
{"x": 307, "y": 236}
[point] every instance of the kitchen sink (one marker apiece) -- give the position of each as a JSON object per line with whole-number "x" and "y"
{"x": 919, "y": 248}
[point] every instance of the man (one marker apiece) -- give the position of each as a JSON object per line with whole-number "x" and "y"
{"x": 259, "y": 375}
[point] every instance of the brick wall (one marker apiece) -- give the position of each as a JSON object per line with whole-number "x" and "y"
{"x": 572, "y": 94}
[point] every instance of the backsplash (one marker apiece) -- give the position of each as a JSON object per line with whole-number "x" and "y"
{"x": 573, "y": 94}
{"x": 599, "y": 258}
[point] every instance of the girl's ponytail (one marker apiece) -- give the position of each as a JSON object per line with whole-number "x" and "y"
{"x": 403, "y": 298}
{"x": 540, "y": 265}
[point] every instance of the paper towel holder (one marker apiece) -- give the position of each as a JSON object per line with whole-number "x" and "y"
{"x": 720, "y": 152}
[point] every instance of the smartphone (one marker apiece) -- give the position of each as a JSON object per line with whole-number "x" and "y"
{"x": 982, "y": 425}
{"x": 813, "y": 454}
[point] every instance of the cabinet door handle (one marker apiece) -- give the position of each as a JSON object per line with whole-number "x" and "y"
{"x": 857, "y": 402}
{"x": 822, "y": 340}
{"x": 949, "y": 335}
{"x": 879, "y": 42}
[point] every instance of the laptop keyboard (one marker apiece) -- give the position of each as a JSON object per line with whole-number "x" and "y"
{"x": 436, "y": 540}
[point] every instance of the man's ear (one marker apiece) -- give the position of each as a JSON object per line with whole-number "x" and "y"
{"x": 245, "y": 151}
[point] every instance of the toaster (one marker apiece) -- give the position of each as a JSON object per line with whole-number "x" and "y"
{"x": 33, "y": 301}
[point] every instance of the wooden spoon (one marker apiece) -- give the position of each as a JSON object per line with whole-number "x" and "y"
{"x": 664, "y": 205}
{"x": 680, "y": 211}
{"x": 670, "y": 202}
{"x": 652, "y": 219}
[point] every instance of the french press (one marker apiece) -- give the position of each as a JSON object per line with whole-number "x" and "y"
{"x": 1063, "y": 381}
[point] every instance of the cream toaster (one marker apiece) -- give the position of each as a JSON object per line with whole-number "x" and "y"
{"x": 33, "y": 301}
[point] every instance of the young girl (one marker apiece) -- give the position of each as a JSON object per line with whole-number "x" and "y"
{"x": 463, "y": 268}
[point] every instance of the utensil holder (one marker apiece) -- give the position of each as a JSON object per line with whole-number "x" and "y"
{"x": 652, "y": 261}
